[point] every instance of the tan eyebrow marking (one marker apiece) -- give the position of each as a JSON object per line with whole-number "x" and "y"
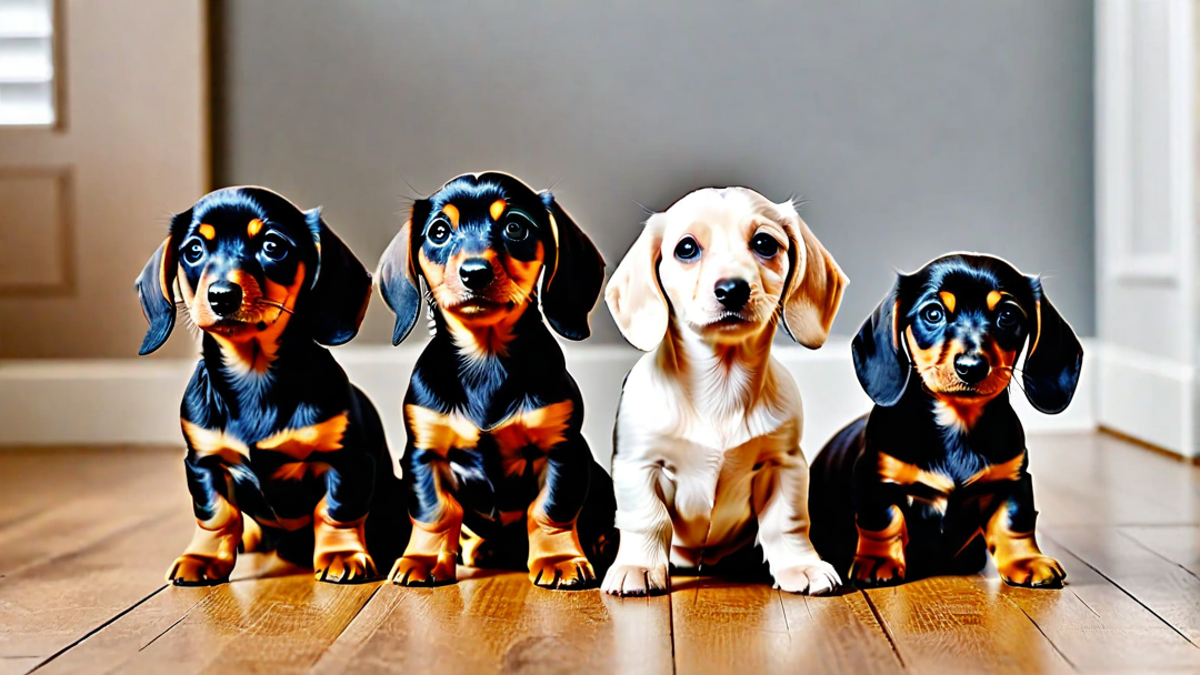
{"x": 993, "y": 299}
{"x": 451, "y": 212}
{"x": 497, "y": 208}
{"x": 948, "y": 300}
{"x": 207, "y": 231}
{"x": 254, "y": 227}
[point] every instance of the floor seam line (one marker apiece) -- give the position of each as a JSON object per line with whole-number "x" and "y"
{"x": 97, "y": 629}
{"x": 887, "y": 632}
{"x": 1047, "y": 638}
{"x": 1124, "y": 590}
{"x": 1139, "y": 544}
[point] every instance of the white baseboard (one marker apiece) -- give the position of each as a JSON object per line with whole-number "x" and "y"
{"x": 118, "y": 401}
{"x": 1147, "y": 397}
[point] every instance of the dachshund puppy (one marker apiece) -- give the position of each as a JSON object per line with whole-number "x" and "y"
{"x": 494, "y": 455}
{"x": 707, "y": 459}
{"x": 935, "y": 476}
{"x": 284, "y": 454}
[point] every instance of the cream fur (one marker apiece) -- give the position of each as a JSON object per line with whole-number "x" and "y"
{"x": 708, "y": 432}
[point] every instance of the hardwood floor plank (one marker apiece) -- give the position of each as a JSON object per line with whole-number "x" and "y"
{"x": 1097, "y": 626}
{"x": 1096, "y": 479}
{"x": 1165, "y": 588}
{"x": 50, "y": 606}
{"x": 279, "y": 625}
{"x": 1178, "y": 543}
{"x": 97, "y": 504}
{"x": 958, "y": 624}
{"x": 502, "y": 623}
{"x": 722, "y": 627}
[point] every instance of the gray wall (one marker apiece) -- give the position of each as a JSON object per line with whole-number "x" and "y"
{"x": 912, "y": 128}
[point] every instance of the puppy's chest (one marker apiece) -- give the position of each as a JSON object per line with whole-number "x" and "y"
{"x": 290, "y": 450}
{"x": 952, "y": 479}
{"x": 523, "y": 435}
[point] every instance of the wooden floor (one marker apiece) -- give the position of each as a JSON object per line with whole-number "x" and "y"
{"x": 85, "y": 536}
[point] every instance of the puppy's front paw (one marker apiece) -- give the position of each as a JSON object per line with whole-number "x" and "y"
{"x": 191, "y": 569}
{"x": 562, "y": 575}
{"x": 872, "y": 572}
{"x": 424, "y": 570}
{"x": 1035, "y": 572}
{"x": 817, "y": 578}
{"x": 635, "y": 580}
{"x": 344, "y": 567}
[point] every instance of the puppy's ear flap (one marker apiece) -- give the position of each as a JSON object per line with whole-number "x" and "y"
{"x": 399, "y": 281}
{"x": 156, "y": 286}
{"x": 573, "y": 277}
{"x": 880, "y": 361}
{"x": 814, "y": 291}
{"x": 634, "y": 296}
{"x": 1055, "y": 357}
{"x": 341, "y": 286}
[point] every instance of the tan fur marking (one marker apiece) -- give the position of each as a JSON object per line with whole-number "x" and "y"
{"x": 440, "y": 433}
{"x": 555, "y": 554}
{"x": 497, "y": 209}
{"x": 451, "y": 212}
{"x": 543, "y": 428}
{"x": 1018, "y": 557}
{"x": 207, "y": 231}
{"x": 993, "y": 300}
{"x": 881, "y": 554}
{"x": 1010, "y": 470}
{"x": 340, "y": 549}
{"x": 214, "y": 443}
{"x": 300, "y": 443}
{"x": 254, "y": 227}
{"x": 893, "y": 470}
{"x": 948, "y": 300}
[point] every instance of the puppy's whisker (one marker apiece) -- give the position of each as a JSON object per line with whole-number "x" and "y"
{"x": 271, "y": 303}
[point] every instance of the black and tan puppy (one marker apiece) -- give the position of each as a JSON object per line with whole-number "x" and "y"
{"x": 284, "y": 453}
{"x": 494, "y": 453}
{"x": 935, "y": 476}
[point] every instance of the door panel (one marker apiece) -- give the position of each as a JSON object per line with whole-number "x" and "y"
{"x": 84, "y": 202}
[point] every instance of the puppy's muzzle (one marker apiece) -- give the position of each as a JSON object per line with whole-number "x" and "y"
{"x": 972, "y": 369}
{"x": 225, "y": 298}
{"x": 732, "y": 293}
{"x": 476, "y": 273}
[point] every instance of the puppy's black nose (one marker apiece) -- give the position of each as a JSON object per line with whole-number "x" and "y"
{"x": 476, "y": 273}
{"x": 971, "y": 369}
{"x": 732, "y": 293}
{"x": 224, "y": 298}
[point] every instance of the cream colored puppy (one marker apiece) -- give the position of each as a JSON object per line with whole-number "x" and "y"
{"x": 707, "y": 448}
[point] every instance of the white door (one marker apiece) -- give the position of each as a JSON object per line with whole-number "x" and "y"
{"x": 1146, "y": 118}
{"x": 103, "y": 133}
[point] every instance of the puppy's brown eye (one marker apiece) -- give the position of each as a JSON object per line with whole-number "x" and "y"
{"x": 439, "y": 232}
{"x": 933, "y": 314}
{"x": 687, "y": 249}
{"x": 274, "y": 248}
{"x": 515, "y": 230}
{"x": 1007, "y": 318}
{"x": 193, "y": 252}
{"x": 765, "y": 245}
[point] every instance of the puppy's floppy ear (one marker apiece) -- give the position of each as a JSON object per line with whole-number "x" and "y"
{"x": 634, "y": 296}
{"x": 341, "y": 286}
{"x": 880, "y": 361}
{"x": 156, "y": 286}
{"x": 1055, "y": 357}
{"x": 573, "y": 276}
{"x": 399, "y": 280}
{"x": 814, "y": 291}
